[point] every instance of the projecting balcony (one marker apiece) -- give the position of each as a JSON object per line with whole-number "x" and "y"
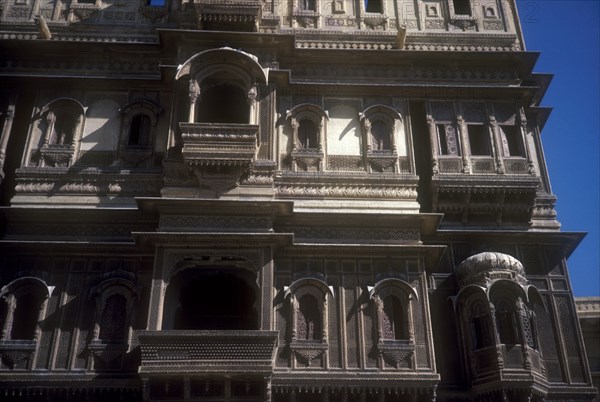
{"x": 237, "y": 15}
{"x": 219, "y": 144}
{"x": 244, "y": 351}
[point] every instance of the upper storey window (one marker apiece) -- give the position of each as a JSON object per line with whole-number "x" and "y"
{"x": 223, "y": 103}
{"x": 477, "y": 130}
{"x": 380, "y": 136}
{"x": 308, "y": 134}
{"x": 308, "y": 5}
{"x": 308, "y": 326}
{"x": 394, "y": 319}
{"x": 462, "y": 7}
{"x": 374, "y": 6}
{"x": 139, "y": 131}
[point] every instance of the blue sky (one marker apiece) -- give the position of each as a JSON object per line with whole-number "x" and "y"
{"x": 566, "y": 32}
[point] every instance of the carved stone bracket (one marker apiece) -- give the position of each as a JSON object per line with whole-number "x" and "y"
{"x": 57, "y": 155}
{"x": 382, "y": 161}
{"x": 307, "y": 351}
{"x": 397, "y": 354}
{"x": 307, "y": 159}
{"x": 106, "y": 352}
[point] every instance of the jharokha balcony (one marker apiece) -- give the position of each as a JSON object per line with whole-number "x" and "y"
{"x": 224, "y": 351}
{"x": 219, "y": 144}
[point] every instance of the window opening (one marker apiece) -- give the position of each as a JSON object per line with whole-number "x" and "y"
{"x": 374, "y": 6}
{"x": 393, "y": 319}
{"x": 139, "y": 131}
{"x": 156, "y": 3}
{"x": 480, "y": 328}
{"x": 507, "y": 324}
{"x": 224, "y": 103}
{"x": 479, "y": 140}
{"x": 448, "y": 140}
{"x": 25, "y": 317}
{"x": 212, "y": 300}
{"x": 380, "y": 136}
{"x": 307, "y": 134}
{"x": 64, "y": 127}
{"x": 511, "y": 142}
{"x": 308, "y": 5}
{"x": 112, "y": 321}
{"x": 309, "y": 319}
{"x": 462, "y": 7}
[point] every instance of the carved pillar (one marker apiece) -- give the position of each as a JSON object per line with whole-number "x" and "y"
{"x": 194, "y": 94}
{"x": 11, "y": 305}
{"x": 296, "y": 144}
{"x": 499, "y": 354}
{"x": 187, "y": 389}
{"x": 498, "y": 144}
{"x": 464, "y": 144}
{"x": 521, "y": 312}
{"x": 5, "y": 133}
{"x": 433, "y": 139}
{"x": 252, "y": 94}
{"x": 410, "y": 323}
{"x": 48, "y": 136}
{"x": 523, "y": 130}
{"x": 379, "y": 312}
{"x": 293, "y": 396}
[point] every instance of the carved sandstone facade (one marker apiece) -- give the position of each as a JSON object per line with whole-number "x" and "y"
{"x": 303, "y": 200}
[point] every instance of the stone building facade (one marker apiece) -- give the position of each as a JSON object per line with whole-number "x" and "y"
{"x": 292, "y": 200}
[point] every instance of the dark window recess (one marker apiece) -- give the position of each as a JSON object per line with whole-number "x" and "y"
{"x": 207, "y": 388}
{"x": 156, "y": 3}
{"x": 506, "y": 321}
{"x": 309, "y": 319}
{"x": 511, "y": 142}
{"x": 245, "y": 389}
{"x": 374, "y": 6}
{"x": 25, "y": 317}
{"x": 462, "y": 7}
{"x": 64, "y": 127}
{"x": 479, "y": 140}
{"x": 139, "y": 131}
{"x": 308, "y": 134}
{"x": 112, "y": 321}
{"x": 214, "y": 300}
{"x": 480, "y": 327}
{"x": 394, "y": 320}
{"x": 380, "y": 136}
{"x": 308, "y": 5}
{"x": 448, "y": 139}
{"x": 224, "y": 104}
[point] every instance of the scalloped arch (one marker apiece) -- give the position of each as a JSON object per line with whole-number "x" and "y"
{"x": 23, "y": 281}
{"x": 383, "y": 109}
{"x": 225, "y": 57}
{"x": 306, "y": 108}
{"x": 399, "y": 283}
{"x": 73, "y": 101}
{"x": 298, "y": 283}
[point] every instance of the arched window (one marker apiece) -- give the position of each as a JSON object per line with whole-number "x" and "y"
{"x": 308, "y": 134}
{"x": 480, "y": 327}
{"x": 113, "y": 319}
{"x": 64, "y": 129}
{"x": 26, "y": 316}
{"x": 394, "y": 319}
{"x": 308, "y": 320}
{"x": 380, "y": 136}
{"x": 506, "y": 323}
{"x": 139, "y": 131}
{"x": 223, "y": 103}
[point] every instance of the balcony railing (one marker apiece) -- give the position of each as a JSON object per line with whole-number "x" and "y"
{"x": 207, "y": 351}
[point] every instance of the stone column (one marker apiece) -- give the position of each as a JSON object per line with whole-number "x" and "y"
{"x": 9, "y": 116}
{"x": 464, "y": 144}
{"x": 523, "y": 130}
{"x": 11, "y": 303}
{"x": 433, "y": 139}
{"x": 499, "y": 157}
{"x": 194, "y": 94}
{"x": 252, "y": 94}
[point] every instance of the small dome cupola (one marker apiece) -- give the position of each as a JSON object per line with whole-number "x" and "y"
{"x": 486, "y": 267}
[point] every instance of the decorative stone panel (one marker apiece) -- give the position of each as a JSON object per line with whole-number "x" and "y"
{"x": 207, "y": 351}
